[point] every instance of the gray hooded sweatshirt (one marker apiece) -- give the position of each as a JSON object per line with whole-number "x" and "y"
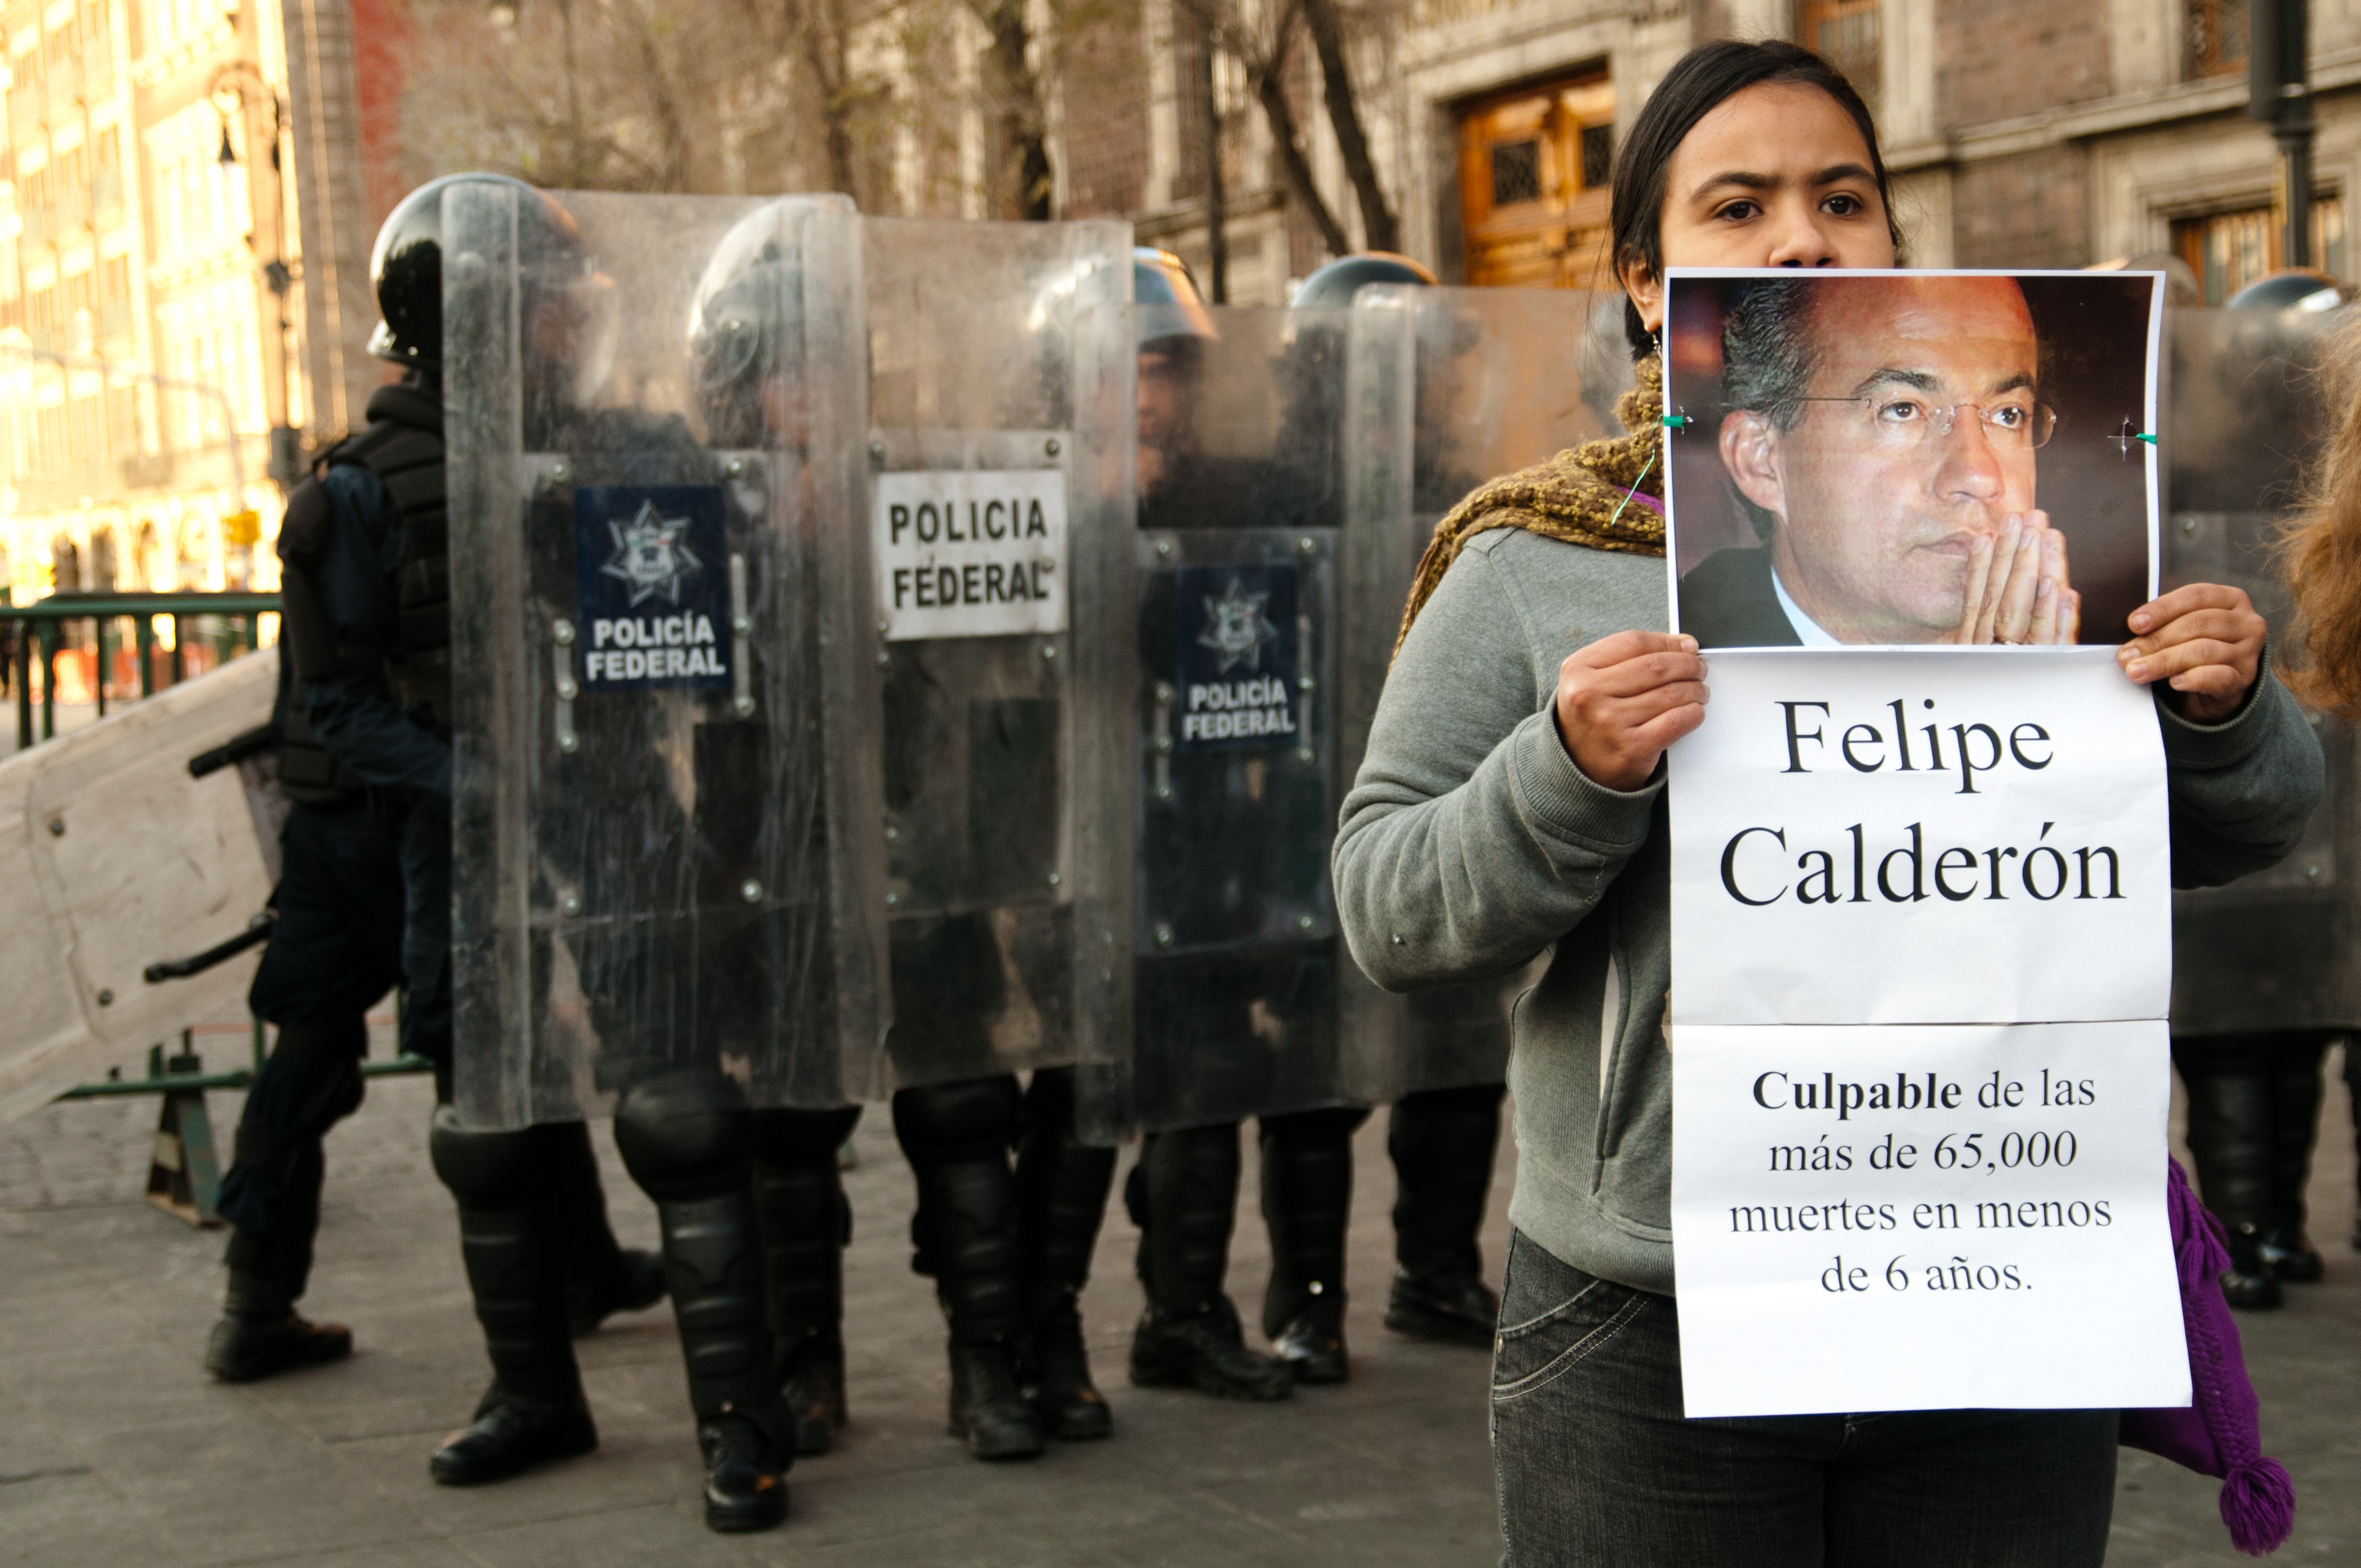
{"x": 1471, "y": 842}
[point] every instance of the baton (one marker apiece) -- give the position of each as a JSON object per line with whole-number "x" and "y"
{"x": 256, "y": 931}
{"x": 234, "y": 751}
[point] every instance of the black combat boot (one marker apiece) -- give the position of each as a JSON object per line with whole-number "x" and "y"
{"x": 534, "y": 1412}
{"x": 1189, "y": 1335}
{"x": 956, "y": 1137}
{"x": 1443, "y": 1142}
{"x": 1307, "y": 1203}
{"x": 260, "y": 1333}
{"x": 686, "y": 1139}
{"x": 2230, "y": 1137}
{"x": 806, "y": 1224}
{"x": 2295, "y": 1118}
{"x": 270, "y": 1195}
{"x": 1062, "y": 1185}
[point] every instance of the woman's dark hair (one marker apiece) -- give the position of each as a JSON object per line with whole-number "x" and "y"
{"x": 1698, "y": 84}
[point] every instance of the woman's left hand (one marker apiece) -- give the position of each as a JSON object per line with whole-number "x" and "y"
{"x": 2205, "y": 641}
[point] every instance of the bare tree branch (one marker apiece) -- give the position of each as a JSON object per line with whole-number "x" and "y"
{"x": 1263, "y": 55}
{"x": 1377, "y": 223}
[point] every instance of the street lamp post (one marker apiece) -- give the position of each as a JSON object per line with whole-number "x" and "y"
{"x": 233, "y": 80}
{"x": 2279, "y": 94}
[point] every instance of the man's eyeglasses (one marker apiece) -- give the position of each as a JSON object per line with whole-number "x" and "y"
{"x": 2015, "y": 424}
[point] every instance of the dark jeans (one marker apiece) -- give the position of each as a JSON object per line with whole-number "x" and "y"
{"x": 1596, "y": 1465}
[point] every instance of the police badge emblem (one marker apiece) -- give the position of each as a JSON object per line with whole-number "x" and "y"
{"x": 1236, "y": 628}
{"x": 1239, "y": 657}
{"x": 650, "y": 556}
{"x": 654, "y": 613}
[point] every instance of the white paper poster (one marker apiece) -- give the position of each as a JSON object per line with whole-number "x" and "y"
{"x": 1941, "y": 836}
{"x": 1923, "y": 1218}
{"x": 1921, "y": 901}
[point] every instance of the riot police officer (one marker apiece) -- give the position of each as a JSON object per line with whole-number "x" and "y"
{"x": 2263, "y": 981}
{"x": 1207, "y": 880}
{"x": 1442, "y": 1140}
{"x": 368, "y": 632}
{"x": 982, "y": 802}
{"x": 334, "y": 949}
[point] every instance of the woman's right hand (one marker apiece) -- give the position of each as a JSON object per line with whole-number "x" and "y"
{"x": 1622, "y": 699}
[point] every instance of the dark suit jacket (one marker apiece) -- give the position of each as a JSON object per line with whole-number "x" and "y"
{"x": 1727, "y": 601}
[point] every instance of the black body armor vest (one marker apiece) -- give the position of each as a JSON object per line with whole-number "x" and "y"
{"x": 308, "y": 772}
{"x": 404, "y": 447}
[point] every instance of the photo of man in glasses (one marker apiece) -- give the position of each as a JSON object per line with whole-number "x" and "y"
{"x": 1884, "y": 433}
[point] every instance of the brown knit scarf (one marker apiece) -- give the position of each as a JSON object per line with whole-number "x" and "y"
{"x": 1580, "y": 497}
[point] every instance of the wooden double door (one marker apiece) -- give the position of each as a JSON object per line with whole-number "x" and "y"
{"x": 1534, "y": 170}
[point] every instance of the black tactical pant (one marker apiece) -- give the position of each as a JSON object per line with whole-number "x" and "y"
{"x": 2254, "y": 1111}
{"x": 334, "y": 950}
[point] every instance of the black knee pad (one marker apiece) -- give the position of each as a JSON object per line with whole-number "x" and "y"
{"x": 787, "y": 1137}
{"x": 686, "y": 1137}
{"x": 953, "y": 1124}
{"x": 485, "y": 1167}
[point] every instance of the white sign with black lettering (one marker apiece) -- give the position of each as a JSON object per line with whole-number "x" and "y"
{"x": 1922, "y": 944}
{"x": 1935, "y": 836}
{"x": 970, "y": 553}
{"x": 1924, "y": 1218}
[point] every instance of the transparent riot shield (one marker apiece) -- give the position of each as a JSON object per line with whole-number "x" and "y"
{"x": 2244, "y": 417}
{"x": 1238, "y": 556}
{"x": 999, "y": 528}
{"x": 116, "y": 859}
{"x": 662, "y": 858}
{"x": 1446, "y": 389}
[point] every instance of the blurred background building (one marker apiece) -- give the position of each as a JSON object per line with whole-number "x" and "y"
{"x": 188, "y": 188}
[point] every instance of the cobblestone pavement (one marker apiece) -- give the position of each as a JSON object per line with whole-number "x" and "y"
{"x": 115, "y": 1449}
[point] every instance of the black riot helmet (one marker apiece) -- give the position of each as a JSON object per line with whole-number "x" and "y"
{"x": 2289, "y": 289}
{"x": 406, "y": 266}
{"x": 1171, "y": 313}
{"x": 737, "y": 324}
{"x": 1337, "y": 282}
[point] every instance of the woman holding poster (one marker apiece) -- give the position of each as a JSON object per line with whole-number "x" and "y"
{"x": 1511, "y": 803}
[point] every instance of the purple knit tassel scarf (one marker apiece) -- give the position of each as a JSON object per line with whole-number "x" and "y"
{"x": 2219, "y": 1432}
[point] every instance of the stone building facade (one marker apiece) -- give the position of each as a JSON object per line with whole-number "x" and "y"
{"x": 2023, "y": 133}
{"x": 183, "y": 283}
